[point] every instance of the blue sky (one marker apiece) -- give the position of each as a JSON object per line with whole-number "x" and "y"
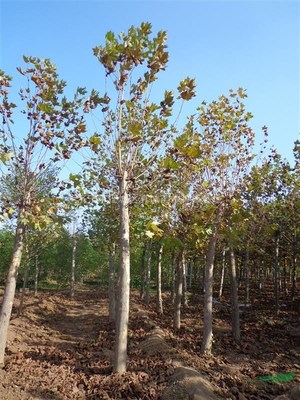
{"x": 223, "y": 44}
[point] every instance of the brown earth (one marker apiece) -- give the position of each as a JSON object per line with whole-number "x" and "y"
{"x": 62, "y": 349}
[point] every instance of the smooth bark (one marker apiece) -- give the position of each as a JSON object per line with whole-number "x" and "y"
{"x": 10, "y": 289}
{"x": 178, "y": 291}
{"x": 73, "y": 268}
{"x": 235, "y": 312}
{"x": 247, "y": 279}
{"x": 206, "y": 347}
{"x": 148, "y": 274}
{"x": 36, "y": 276}
{"x": 276, "y": 272}
{"x": 222, "y": 272}
{"x": 173, "y": 283}
{"x": 143, "y": 272}
{"x": 25, "y": 279}
{"x": 111, "y": 284}
{"x": 159, "y": 303}
{"x": 122, "y": 310}
{"x": 184, "y": 283}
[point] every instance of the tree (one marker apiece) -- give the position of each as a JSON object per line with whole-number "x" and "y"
{"x": 135, "y": 133}
{"x": 54, "y": 130}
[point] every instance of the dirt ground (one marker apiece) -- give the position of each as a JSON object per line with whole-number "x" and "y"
{"x": 62, "y": 349}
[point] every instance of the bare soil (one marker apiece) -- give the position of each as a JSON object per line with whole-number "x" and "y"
{"x": 62, "y": 349}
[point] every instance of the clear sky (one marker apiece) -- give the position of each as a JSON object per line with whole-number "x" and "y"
{"x": 223, "y": 44}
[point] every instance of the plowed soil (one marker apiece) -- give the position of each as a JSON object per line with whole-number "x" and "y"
{"x": 62, "y": 349}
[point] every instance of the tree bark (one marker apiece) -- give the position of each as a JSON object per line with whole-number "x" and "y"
{"x": 159, "y": 303}
{"x": 172, "y": 291}
{"x": 247, "y": 280}
{"x": 276, "y": 272}
{"x": 26, "y": 273}
{"x": 73, "y": 268}
{"x": 148, "y": 274}
{"x": 222, "y": 272}
{"x": 178, "y": 291}
{"x": 36, "y": 277}
{"x": 294, "y": 271}
{"x": 122, "y": 311}
{"x": 111, "y": 283}
{"x": 143, "y": 272}
{"x": 235, "y": 319}
{"x": 10, "y": 288}
{"x": 184, "y": 286}
{"x": 206, "y": 347}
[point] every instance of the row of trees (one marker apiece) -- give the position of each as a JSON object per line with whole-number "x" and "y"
{"x": 152, "y": 178}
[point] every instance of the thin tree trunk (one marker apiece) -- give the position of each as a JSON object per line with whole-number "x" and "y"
{"x": 73, "y": 269}
{"x": 247, "y": 280}
{"x": 36, "y": 276}
{"x": 191, "y": 273}
{"x": 294, "y": 271}
{"x": 276, "y": 272}
{"x": 26, "y": 273}
{"x": 111, "y": 283}
{"x": 235, "y": 321}
{"x": 10, "y": 289}
{"x": 122, "y": 310}
{"x": 143, "y": 272}
{"x": 206, "y": 346}
{"x": 261, "y": 275}
{"x": 184, "y": 298}
{"x": 178, "y": 291}
{"x": 222, "y": 272}
{"x": 159, "y": 304}
{"x": 172, "y": 277}
{"x": 148, "y": 274}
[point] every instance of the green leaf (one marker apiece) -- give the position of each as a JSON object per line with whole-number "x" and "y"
{"x": 95, "y": 140}
{"x": 45, "y": 108}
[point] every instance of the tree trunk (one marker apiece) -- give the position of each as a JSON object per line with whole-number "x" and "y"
{"x": 26, "y": 273}
{"x": 294, "y": 271}
{"x": 276, "y": 272}
{"x": 206, "y": 346}
{"x": 148, "y": 274}
{"x": 247, "y": 280}
{"x": 184, "y": 298}
{"x": 73, "y": 268}
{"x": 191, "y": 273}
{"x": 222, "y": 272}
{"x": 235, "y": 321}
{"x": 143, "y": 272}
{"x": 111, "y": 283}
{"x": 261, "y": 275}
{"x": 178, "y": 291}
{"x": 122, "y": 311}
{"x": 36, "y": 277}
{"x": 159, "y": 304}
{"x": 173, "y": 277}
{"x": 10, "y": 289}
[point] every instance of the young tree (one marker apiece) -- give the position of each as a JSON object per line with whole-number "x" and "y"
{"x": 54, "y": 129}
{"x": 136, "y": 131}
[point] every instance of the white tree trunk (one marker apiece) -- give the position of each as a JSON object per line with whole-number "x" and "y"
{"x": 10, "y": 289}
{"x": 178, "y": 291}
{"x": 73, "y": 268}
{"x": 206, "y": 346}
{"x": 36, "y": 277}
{"x": 148, "y": 274}
{"x": 122, "y": 311}
{"x": 234, "y": 298}
{"x": 159, "y": 304}
{"x": 184, "y": 285}
{"x": 223, "y": 272}
{"x": 26, "y": 274}
{"x": 111, "y": 283}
